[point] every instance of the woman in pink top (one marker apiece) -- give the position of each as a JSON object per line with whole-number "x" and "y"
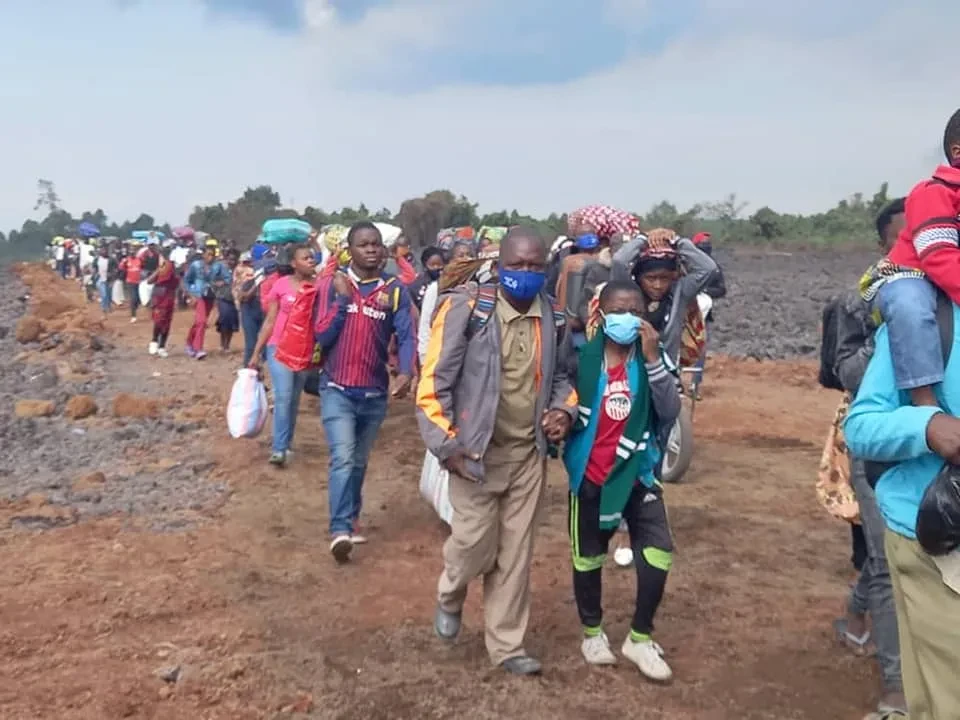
{"x": 287, "y": 383}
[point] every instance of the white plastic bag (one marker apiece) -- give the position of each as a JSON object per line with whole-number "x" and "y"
{"x": 117, "y": 292}
{"x": 705, "y": 303}
{"x": 145, "y": 290}
{"x": 435, "y": 487}
{"x": 247, "y": 409}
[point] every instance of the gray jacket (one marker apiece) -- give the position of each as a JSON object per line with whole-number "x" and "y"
{"x": 459, "y": 389}
{"x": 854, "y": 336}
{"x": 700, "y": 268}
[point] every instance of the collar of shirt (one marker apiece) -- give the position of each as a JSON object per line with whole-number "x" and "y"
{"x": 357, "y": 281}
{"x": 508, "y": 313}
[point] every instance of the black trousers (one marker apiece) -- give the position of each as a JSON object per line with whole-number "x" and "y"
{"x": 650, "y": 538}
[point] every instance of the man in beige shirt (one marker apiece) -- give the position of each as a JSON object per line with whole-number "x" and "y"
{"x": 489, "y": 404}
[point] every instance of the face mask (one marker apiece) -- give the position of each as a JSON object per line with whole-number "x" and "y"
{"x": 622, "y": 328}
{"x": 522, "y": 285}
{"x": 588, "y": 241}
{"x": 433, "y": 274}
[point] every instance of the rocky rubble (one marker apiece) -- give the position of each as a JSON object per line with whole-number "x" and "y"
{"x": 81, "y": 436}
{"x": 774, "y": 300}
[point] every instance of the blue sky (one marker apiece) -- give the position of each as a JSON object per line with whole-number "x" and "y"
{"x": 542, "y": 105}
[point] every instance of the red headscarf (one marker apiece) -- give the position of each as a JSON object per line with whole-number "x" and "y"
{"x": 606, "y": 221}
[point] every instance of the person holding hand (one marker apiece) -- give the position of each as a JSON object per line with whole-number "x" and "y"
{"x": 490, "y": 403}
{"x": 626, "y": 394}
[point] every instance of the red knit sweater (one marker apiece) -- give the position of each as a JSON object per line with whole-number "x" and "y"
{"x": 930, "y": 239}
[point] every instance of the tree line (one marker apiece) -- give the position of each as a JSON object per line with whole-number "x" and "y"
{"x": 850, "y": 222}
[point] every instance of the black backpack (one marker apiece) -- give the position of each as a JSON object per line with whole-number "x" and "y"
{"x": 828, "y": 346}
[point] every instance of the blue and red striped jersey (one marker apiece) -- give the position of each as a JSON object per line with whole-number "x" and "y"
{"x": 354, "y": 334}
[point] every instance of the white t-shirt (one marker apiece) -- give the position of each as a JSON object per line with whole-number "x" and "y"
{"x": 103, "y": 267}
{"x": 179, "y": 255}
{"x": 427, "y": 306}
{"x": 58, "y": 253}
{"x": 86, "y": 255}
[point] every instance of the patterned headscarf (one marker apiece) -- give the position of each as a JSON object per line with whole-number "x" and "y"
{"x": 606, "y": 221}
{"x": 661, "y": 258}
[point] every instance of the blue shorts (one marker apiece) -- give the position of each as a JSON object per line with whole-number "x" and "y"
{"x": 909, "y": 309}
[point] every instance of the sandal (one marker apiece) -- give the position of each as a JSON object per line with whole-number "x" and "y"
{"x": 859, "y": 646}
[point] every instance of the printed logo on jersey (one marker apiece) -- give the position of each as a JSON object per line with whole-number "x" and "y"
{"x": 617, "y": 402}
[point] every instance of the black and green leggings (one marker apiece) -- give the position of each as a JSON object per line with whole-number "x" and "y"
{"x": 650, "y": 538}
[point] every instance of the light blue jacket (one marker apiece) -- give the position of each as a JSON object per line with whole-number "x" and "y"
{"x": 884, "y": 427}
{"x": 199, "y": 277}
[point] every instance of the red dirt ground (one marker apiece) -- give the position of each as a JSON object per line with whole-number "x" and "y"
{"x": 263, "y": 625}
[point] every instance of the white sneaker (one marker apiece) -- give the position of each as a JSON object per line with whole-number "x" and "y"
{"x": 132, "y": 320}
{"x": 648, "y": 656}
{"x": 153, "y": 349}
{"x": 340, "y": 548}
{"x": 162, "y": 352}
{"x": 596, "y": 650}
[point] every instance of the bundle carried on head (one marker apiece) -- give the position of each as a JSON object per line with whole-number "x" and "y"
{"x": 604, "y": 220}
{"x": 459, "y": 272}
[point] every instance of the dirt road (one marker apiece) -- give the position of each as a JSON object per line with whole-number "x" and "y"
{"x": 242, "y": 613}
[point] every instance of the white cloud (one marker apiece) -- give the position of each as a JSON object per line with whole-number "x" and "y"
{"x": 753, "y": 101}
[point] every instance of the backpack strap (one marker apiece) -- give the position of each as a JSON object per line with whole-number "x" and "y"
{"x": 483, "y": 307}
{"x": 559, "y": 316}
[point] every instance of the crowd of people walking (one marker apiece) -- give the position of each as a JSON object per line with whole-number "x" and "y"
{"x": 522, "y": 351}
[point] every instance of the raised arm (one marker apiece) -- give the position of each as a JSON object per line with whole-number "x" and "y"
{"x": 626, "y": 257}
{"x": 700, "y": 269}
{"x": 332, "y": 302}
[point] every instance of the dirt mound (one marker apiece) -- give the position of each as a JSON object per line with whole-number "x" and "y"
{"x": 72, "y": 365}
{"x": 80, "y": 406}
{"x": 56, "y": 310}
{"x": 34, "y": 408}
{"x": 29, "y": 330}
{"x": 126, "y": 405}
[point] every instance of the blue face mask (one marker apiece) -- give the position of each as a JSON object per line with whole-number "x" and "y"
{"x": 622, "y": 328}
{"x": 522, "y": 285}
{"x": 588, "y": 241}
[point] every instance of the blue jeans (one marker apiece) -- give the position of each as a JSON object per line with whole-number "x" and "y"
{"x": 103, "y": 289}
{"x": 909, "y": 308}
{"x": 251, "y": 320}
{"x": 287, "y": 391}
{"x": 873, "y": 592}
{"x": 351, "y": 425}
